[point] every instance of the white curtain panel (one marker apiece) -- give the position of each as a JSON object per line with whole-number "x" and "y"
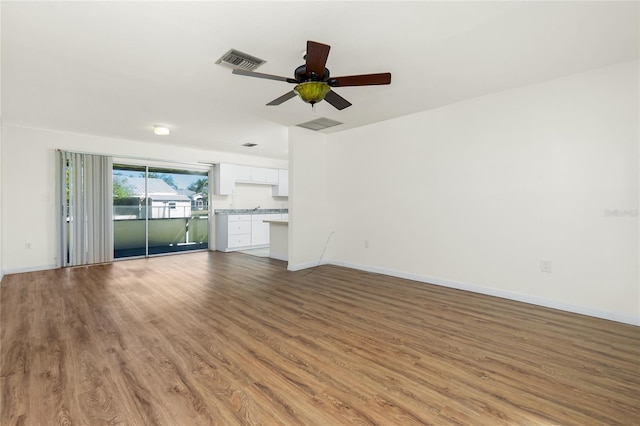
{"x": 86, "y": 197}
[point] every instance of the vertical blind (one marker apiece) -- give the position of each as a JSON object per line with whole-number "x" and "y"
{"x": 86, "y": 195}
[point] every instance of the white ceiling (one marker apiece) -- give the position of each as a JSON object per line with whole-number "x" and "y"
{"x": 116, "y": 68}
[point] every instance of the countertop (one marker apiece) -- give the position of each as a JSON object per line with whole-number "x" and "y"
{"x": 251, "y": 211}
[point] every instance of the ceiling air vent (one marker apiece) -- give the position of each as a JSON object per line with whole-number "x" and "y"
{"x": 239, "y": 60}
{"x": 319, "y": 124}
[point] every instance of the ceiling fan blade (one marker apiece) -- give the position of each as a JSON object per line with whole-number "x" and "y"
{"x": 360, "y": 80}
{"x": 317, "y": 54}
{"x": 261, "y": 75}
{"x": 283, "y": 98}
{"x": 336, "y": 100}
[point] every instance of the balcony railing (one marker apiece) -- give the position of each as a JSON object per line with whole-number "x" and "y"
{"x": 165, "y": 235}
{"x": 157, "y": 212}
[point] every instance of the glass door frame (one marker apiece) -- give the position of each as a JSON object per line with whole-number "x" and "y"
{"x": 165, "y": 167}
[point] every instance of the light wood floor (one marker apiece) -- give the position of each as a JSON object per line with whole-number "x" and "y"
{"x": 214, "y": 338}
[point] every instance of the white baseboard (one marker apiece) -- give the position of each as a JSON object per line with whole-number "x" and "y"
{"x": 306, "y": 265}
{"x": 29, "y": 269}
{"x": 277, "y": 257}
{"x": 554, "y": 304}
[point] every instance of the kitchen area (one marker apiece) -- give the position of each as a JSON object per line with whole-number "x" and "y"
{"x": 250, "y": 206}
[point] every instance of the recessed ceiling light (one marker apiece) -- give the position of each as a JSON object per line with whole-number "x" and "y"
{"x": 161, "y": 131}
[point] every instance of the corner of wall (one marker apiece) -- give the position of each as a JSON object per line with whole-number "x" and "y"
{"x": 309, "y": 223}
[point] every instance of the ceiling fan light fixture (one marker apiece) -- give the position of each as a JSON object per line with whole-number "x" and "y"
{"x": 312, "y": 91}
{"x": 313, "y": 81}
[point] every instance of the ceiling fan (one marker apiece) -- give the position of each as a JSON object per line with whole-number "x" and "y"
{"x": 313, "y": 81}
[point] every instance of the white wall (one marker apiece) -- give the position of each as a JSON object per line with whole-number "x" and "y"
{"x": 249, "y": 196}
{"x": 1, "y": 202}
{"x": 1, "y": 268}
{"x": 1, "y": 198}
{"x": 308, "y": 208}
{"x": 28, "y": 189}
{"x": 475, "y": 194}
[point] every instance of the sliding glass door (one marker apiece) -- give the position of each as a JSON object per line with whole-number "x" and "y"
{"x": 159, "y": 210}
{"x": 129, "y": 211}
{"x": 177, "y": 202}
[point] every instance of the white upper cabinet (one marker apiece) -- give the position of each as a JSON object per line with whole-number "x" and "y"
{"x": 282, "y": 188}
{"x": 224, "y": 179}
{"x": 243, "y": 174}
{"x": 226, "y": 176}
{"x": 256, "y": 175}
{"x": 271, "y": 176}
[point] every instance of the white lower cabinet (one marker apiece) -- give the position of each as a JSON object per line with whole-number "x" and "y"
{"x": 239, "y": 241}
{"x": 240, "y": 227}
{"x": 236, "y": 232}
{"x": 259, "y": 231}
{"x": 260, "y": 228}
{"x": 233, "y": 231}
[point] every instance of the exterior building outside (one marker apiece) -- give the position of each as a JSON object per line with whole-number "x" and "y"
{"x": 164, "y": 201}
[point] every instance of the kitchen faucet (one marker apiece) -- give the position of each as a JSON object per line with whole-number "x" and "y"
{"x": 256, "y": 208}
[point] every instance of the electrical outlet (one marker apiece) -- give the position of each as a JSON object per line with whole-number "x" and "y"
{"x": 27, "y": 245}
{"x": 545, "y": 266}
{"x": 366, "y": 243}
